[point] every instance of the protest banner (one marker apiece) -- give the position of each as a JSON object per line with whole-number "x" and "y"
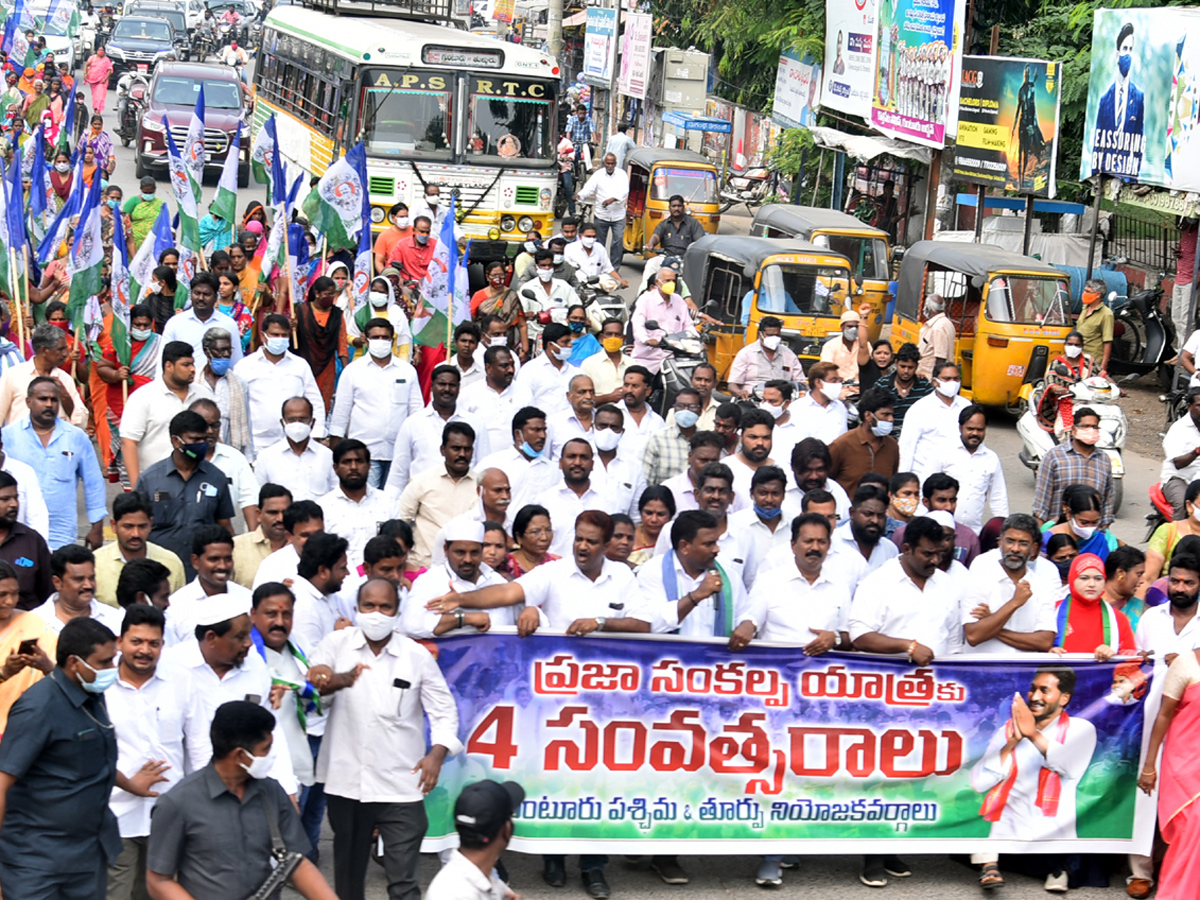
{"x": 850, "y": 44}
{"x": 797, "y": 91}
{"x": 669, "y": 745}
{"x": 1145, "y": 73}
{"x": 1008, "y": 124}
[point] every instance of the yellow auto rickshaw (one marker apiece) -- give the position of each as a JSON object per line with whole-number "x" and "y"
{"x": 656, "y": 175}
{"x": 1011, "y": 313}
{"x": 866, "y": 248}
{"x": 740, "y": 280}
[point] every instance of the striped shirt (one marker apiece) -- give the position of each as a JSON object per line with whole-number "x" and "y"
{"x": 666, "y": 455}
{"x": 922, "y": 387}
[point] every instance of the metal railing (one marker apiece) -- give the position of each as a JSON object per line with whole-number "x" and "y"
{"x": 1146, "y": 242}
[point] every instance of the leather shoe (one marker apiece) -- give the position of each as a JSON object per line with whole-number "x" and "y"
{"x": 1139, "y": 888}
{"x": 594, "y": 884}
{"x": 554, "y": 872}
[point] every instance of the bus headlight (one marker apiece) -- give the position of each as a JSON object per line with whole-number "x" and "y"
{"x": 376, "y": 214}
{"x": 525, "y": 224}
{"x": 493, "y": 233}
{"x": 508, "y": 223}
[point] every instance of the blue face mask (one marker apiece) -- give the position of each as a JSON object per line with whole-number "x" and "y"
{"x": 882, "y": 429}
{"x": 113, "y": 204}
{"x": 686, "y": 418}
{"x": 530, "y": 452}
{"x": 277, "y": 345}
{"x": 767, "y": 513}
{"x": 576, "y": 327}
{"x": 1124, "y": 61}
{"x": 105, "y": 678}
{"x": 149, "y": 198}
{"x": 220, "y": 366}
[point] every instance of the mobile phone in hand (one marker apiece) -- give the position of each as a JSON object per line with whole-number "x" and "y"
{"x": 27, "y": 646}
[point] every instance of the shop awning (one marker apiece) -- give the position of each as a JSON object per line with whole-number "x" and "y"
{"x": 865, "y": 147}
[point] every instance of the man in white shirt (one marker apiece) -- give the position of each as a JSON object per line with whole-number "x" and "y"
{"x": 862, "y": 534}
{"x": 298, "y": 462}
{"x": 494, "y": 333}
{"x": 787, "y": 433}
{"x": 375, "y": 396}
{"x": 569, "y": 497}
{"x": 543, "y": 381}
{"x": 272, "y": 372}
{"x": 49, "y": 344}
{"x": 764, "y": 518}
{"x": 589, "y": 257}
{"x": 301, "y": 520}
{"x": 608, "y": 190}
{"x": 146, "y": 706}
{"x": 754, "y": 451}
{"x": 527, "y": 443}
{"x": 466, "y": 339}
{"x": 1173, "y": 627}
{"x": 931, "y": 424}
{"x": 1181, "y": 452}
{"x": 354, "y": 509}
{"x": 810, "y": 465}
{"x": 431, "y": 206}
{"x": 544, "y": 297}
{"x": 641, "y": 422}
{"x": 491, "y": 400}
{"x": 714, "y": 493}
{"x": 418, "y": 440}
{"x": 73, "y": 576}
{"x": 461, "y": 570}
{"x": 149, "y": 409}
{"x": 703, "y": 450}
{"x": 977, "y": 469}
{"x": 820, "y": 413}
{"x": 575, "y": 422}
{"x": 380, "y": 687}
{"x": 212, "y": 560}
{"x": 495, "y": 502}
{"x": 483, "y": 816}
{"x": 191, "y": 324}
{"x": 320, "y": 574}
{"x": 617, "y": 475}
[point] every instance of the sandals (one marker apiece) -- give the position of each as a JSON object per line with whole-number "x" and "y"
{"x": 990, "y": 877}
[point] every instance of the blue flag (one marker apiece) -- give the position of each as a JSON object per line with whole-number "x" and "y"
{"x": 15, "y": 210}
{"x": 37, "y": 179}
{"x": 67, "y": 129}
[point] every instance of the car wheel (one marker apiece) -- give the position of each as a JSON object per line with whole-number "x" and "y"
{"x": 140, "y": 169}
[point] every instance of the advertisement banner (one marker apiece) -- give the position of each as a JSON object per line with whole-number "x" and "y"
{"x": 797, "y": 91}
{"x": 502, "y": 10}
{"x": 661, "y": 745}
{"x": 635, "y": 55}
{"x": 850, "y": 45}
{"x": 599, "y": 46}
{"x": 1141, "y": 121}
{"x": 917, "y": 70}
{"x": 1008, "y": 124}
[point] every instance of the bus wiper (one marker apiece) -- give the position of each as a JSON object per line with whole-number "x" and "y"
{"x": 362, "y": 131}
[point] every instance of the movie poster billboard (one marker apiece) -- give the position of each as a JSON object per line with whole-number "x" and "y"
{"x": 1143, "y": 97}
{"x": 918, "y": 68}
{"x": 849, "y": 55}
{"x": 1008, "y": 124}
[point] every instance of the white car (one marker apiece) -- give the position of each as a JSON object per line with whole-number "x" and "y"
{"x": 63, "y": 42}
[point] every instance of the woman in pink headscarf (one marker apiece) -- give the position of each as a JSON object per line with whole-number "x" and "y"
{"x": 96, "y": 73}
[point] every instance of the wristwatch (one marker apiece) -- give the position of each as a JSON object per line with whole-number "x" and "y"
{"x": 600, "y": 623}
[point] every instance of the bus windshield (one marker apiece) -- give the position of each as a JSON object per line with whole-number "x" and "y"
{"x": 511, "y": 120}
{"x": 868, "y": 256}
{"x": 406, "y": 115}
{"x": 792, "y": 290}
{"x": 1028, "y": 301}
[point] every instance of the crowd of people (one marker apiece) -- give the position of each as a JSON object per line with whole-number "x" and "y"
{"x": 306, "y": 495}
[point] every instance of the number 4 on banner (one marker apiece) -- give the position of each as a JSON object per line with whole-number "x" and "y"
{"x": 501, "y": 749}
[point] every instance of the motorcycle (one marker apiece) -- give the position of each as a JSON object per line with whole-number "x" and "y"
{"x": 1040, "y": 428}
{"x": 600, "y": 303}
{"x": 687, "y": 352}
{"x": 203, "y": 43}
{"x": 1142, "y": 335}
{"x": 751, "y": 187}
{"x": 132, "y": 90}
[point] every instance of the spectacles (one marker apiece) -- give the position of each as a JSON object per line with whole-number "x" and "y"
{"x": 539, "y": 532}
{"x": 694, "y": 407}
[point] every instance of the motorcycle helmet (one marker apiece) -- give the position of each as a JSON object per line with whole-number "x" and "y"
{"x": 674, "y": 263}
{"x": 1100, "y": 389}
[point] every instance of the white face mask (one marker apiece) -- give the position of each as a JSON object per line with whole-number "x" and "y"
{"x": 771, "y": 342}
{"x": 379, "y": 347}
{"x": 607, "y": 439}
{"x": 1082, "y": 531}
{"x": 401, "y": 221}
{"x": 850, "y": 334}
{"x": 558, "y": 258}
{"x": 545, "y": 274}
{"x": 377, "y": 299}
{"x": 831, "y": 389}
{"x": 375, "y": 625}
{"x": 297, "y": 431}
{"x": 1073, "y": 351}
{"x": 775, "y": 411}
{"x": 260, "y": 766}
{"x": 949, "y": 388}
{"x": 587, "y": 242}
{"x": 433, "y": 200}
{"x": 554, "y": 351}
{"x": 62, "y": 168}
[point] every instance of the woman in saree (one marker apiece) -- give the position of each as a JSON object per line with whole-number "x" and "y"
{"x": 498, "y": 299}
{"x": 321, "y": 336}
{"x": 62, "y": 176}
{"x": 24, "y": 666}
{"x": 89, "y": 164}
{"x": 1086, "y": 622}
{"x": 1175, "y": 728}
{"x": 1080, "y": 518}
{"x": 657, "y": 508}
{"x": 229, "y": 301}
{"x": 35, "y": 104}
{"x": 121, "y": 381}
{"x": 534, "y": 535}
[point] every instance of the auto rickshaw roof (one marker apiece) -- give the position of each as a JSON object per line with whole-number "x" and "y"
{"x": 748, "y": 251}
{"x": 807, "y": 219}
{"x": 975, "y": 260}
{"x": 647, "y": 157}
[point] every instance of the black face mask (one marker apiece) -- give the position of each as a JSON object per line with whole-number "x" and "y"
{"x": 1063, "y": 566}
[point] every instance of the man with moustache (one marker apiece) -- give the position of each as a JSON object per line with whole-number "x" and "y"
{"x": 714, "y": 493}
{"x": 212, "y": 560}
{"x": 641, "y": 422}
{"x": 863, "y": 534}
{"x": 572, "y": 495}
{"x": 461, "y": 570}
{"x": 811, "y": 464}
{"x": 490, "y": 400}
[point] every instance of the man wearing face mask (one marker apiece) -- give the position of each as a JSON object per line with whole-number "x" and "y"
{"x": 589, "y": 257}
{"x": 932, "y": 423}
{"x": 1096, "y": 324}
{"x": 191, "y": 325}
{"x": 821, "y": 413}
{"x": 398, "y": 229}
{"x": 375, "y": 396}
{"x": 58, "y": 766}
{"x": 669, "y": 313}
{"x": 1120, "y": 118}
{"x": 299, "y": 463}
{"x": 563, "y": 269}
{"x": 272, "y": 372}
{"x": 869, "y": 447}
{"x": 544, "y": 381}
{"x": 413, "y": 253}
{"x": 607, "y": 369}
{"x": 617, "y": 475}
{"x": 851, "y": 348}
{"x": 766, "y": 518}
{"x": 608, "y": 189}
{"x": 936, "y": 341}
{"x": 461, "y": 570}
{"x": 551, "y": 295}
{"x": 228, "y": 391}
{"x": 433, "y": 206}
{"x": 1075, "y": 462}
{"x": 527, "y": 443}
{"x": 766, "y": 359}
{"x": 523, "y": 264}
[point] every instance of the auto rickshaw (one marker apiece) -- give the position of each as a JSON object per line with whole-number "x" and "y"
{"x": 866, "y": 248}
{"x": 656, "y": 175}
{"x": 739, "y": 280}
{"x": 1011, "y": 313}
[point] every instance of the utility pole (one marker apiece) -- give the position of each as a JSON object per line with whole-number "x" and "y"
{"x": 554, "y": 20}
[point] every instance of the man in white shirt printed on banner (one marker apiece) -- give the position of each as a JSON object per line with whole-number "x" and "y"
{"x": 490, "y": 401}
{"x": 301, "y": 520}
{"x": 977, "y": 469}
{"x": 380, "y": 688}
{"x": 375, "y": 395}
{"x": 212, "y": 559}
{"x": 271, "y": 372}
{"x": 354, "y": 509}
{"x": 146, "y": 706}
{"x": 300, "y": 463}
{"x": 931, "y": 423}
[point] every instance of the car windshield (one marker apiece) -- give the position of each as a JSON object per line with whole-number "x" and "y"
{"x": 1029, "y": 301}
{"x": 177, "y": 90}
{"x": 413, "y": 120}
{"x": 694, "y": 185}
{"x": 868, "y": 256}
{"x": 793, "y": 290}
{"x": 511, "y": 119}
{"x": 142, "y": 31}
{"x": 174, "y": 16}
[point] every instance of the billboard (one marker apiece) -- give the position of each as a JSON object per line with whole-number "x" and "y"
{"x": 850, "y": 43}
{"x": 1142, "y": 97}
{"x": 635, "y": 55}
{"x": 600, "y": 46}
{"x": 916, "y": 84}
{"x": 1008, "y": 124}
{"x": 797, "y": 91}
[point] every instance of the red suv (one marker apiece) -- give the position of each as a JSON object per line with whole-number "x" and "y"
{"x": 173, "y": 92}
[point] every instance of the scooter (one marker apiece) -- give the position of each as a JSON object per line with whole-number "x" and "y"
{"x": 1142, "y": 336}
{"x": 1161, "y": 514}
{"x": 132, "y": 88}
{"x": 1040, "y": 428}
{"x": 687, "y": 352}
{"x": 600, "y": 304}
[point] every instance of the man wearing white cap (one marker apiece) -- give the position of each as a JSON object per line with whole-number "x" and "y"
{"x": 462, "y": 569}
{"x": 218, "y": 667}
{"x": 851, "y": 348}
